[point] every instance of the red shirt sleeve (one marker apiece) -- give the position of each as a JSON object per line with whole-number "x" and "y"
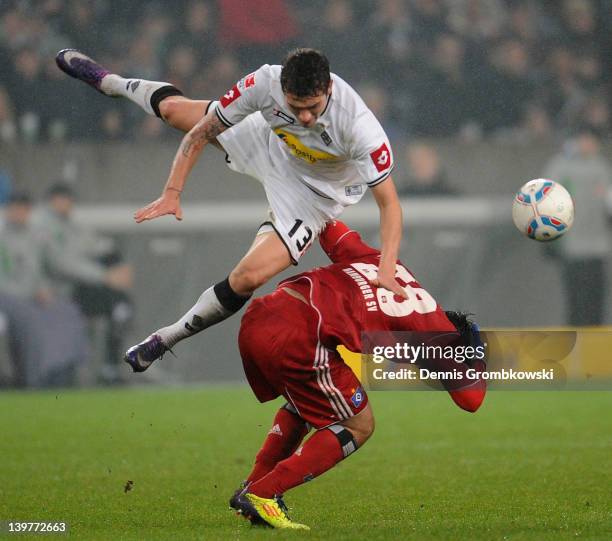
{"x": 341, "y": 243}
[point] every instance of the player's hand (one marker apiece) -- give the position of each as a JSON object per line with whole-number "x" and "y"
{"x": 168, "y": 203}
{"x": 388, "y": 282}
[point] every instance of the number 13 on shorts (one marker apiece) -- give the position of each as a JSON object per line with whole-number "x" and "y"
{"x": 301, "y": 235}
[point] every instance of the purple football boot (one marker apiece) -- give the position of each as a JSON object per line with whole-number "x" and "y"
{"x": 81, "y": 67}
{"x": 142, "y": 355}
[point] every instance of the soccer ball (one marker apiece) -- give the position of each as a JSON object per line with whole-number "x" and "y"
{"x": 543, "y": 210}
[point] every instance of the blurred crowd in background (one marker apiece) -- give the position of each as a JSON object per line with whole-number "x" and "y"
{"x": 514, "y": 69}
{"x": 61, "y": 284}
{"x": 507, "y": 71}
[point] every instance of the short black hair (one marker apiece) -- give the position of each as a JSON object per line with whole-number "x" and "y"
{"x": 466, "y": 327}
{"x": 20, "y": 198}
{"x": 587, "y": 129}
{"x": 60, "y": 189}
{"x": 305, "y": 73}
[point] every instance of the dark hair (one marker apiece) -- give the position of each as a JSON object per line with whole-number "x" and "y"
{"x": 466, "y": 327}
{"x": 587, "y": 129}
{"x": 20, "y": 198}
{"x": 305, "y": 73}
{"x": 60, "y": 189}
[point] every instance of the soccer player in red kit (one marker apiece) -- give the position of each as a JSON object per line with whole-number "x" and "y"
{"x": 288, "y": 342}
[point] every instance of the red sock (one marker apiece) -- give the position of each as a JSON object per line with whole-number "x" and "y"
{"x": 287, "y": 432}
{"x": 321, "y": 452}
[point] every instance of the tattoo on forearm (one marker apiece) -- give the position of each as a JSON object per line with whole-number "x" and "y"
{"x": 186, "y": 147}
{"x": 205, "y": 131}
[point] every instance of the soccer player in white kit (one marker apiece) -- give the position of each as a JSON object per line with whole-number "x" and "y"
{"x": 300, "y": 130}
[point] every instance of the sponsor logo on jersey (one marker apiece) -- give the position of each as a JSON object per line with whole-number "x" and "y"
{"x": 231, "y": 96}
{"x": 381, "y": 158}
{"x": 326, "y": 138}
{"x": 276, "y": 429}
{"x": 357, "y": 189}
{"x": 300, "y": 150}
{"x": 357, "y": 397}
{"x": 283, "y": 115}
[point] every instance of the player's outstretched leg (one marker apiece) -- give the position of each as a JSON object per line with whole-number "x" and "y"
{"x": 154, "y": 97}
{"x": 266, "y": 258}
{"x": 260, "y": 501}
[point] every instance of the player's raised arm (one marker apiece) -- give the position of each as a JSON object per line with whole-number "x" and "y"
{"x": 390, "y": 234}
{"x": 237, "y": 103}
{"x": 204, "y": 132}
{"x": 374, "y": 160}
{"x": 341, "y": 243}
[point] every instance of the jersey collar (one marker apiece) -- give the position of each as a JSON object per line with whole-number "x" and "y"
{"x": 329, "y": 98}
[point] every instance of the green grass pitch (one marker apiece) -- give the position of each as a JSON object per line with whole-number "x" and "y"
{"x": 527, "y": 466}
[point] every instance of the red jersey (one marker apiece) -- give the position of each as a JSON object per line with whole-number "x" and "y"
{"x": 346, "y": 302}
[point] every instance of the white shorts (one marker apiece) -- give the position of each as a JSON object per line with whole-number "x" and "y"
{"x": 297, "y": 213}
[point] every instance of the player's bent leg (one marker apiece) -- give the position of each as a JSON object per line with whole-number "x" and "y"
{"x": 328, "y": 395}
{"x": 217, "y": 303}
{"x": 267, "y": 257}
{"x": 182, "y": 113}
{"x": 361, "y": 425}
{"x": 321, "y": 452}
{"x": 261, "y": 500}
{"x": 285, "y": 436}
{"x": 287, "y": 432}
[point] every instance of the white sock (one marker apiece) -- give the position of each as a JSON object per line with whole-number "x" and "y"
{"x": 137, "y": 90}
{"x": 204, "y": 313}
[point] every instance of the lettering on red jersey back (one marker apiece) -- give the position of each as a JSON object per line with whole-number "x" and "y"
{"x": 381, "y": 158}
{"x": 230, "y": 97}
{"x": 419, "y": 300}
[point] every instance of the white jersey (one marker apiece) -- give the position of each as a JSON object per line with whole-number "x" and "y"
{"x": 337, "y": 158}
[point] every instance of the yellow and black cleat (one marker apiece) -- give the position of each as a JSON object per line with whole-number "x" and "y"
{"x": 270, "y": 511}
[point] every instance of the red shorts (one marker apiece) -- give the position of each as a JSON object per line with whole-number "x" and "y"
{"x": 282, "y": 355}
